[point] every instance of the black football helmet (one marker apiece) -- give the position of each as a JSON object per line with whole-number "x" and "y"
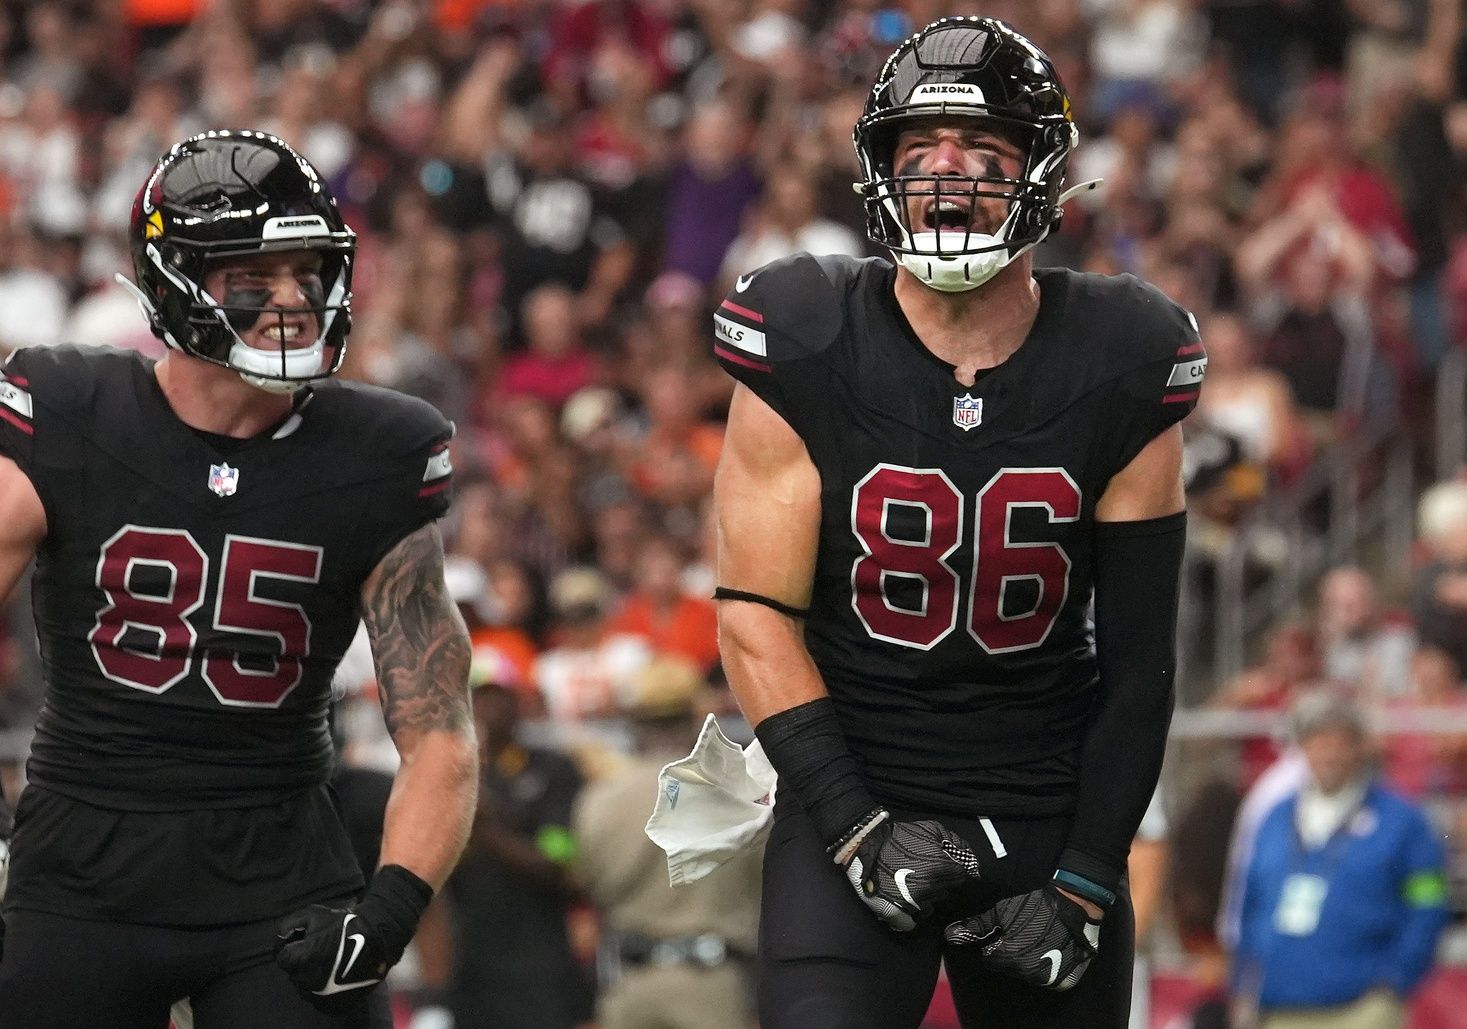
{"x": 957, "y": 69}
{"x": 229, "y": 193}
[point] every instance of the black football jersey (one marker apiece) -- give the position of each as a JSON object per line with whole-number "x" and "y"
{"x": 950, "y": 609}
{"x": 194, "y": 593}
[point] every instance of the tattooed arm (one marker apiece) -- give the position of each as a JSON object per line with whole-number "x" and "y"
{"x": 421, "y": 649}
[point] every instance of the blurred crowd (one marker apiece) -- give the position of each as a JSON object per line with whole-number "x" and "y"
{"x": 552, "y": 195}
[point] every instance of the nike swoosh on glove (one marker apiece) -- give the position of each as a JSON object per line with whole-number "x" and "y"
{"x": 900, "y": 870}
{"x": 1042, "y": 938}
{"x": 330, "y": 954}
{"x": 334, "y": 955}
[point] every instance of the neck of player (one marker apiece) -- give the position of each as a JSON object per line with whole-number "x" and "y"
{"x": 215, "y": 399}
{"x": 977, "y": 329}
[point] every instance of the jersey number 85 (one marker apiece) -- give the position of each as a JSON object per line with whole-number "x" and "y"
{"x": 180, "y": 569}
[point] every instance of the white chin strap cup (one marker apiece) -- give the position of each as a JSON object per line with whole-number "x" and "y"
{"x": 258, "y": 366}
{"x": 968, "y": 270}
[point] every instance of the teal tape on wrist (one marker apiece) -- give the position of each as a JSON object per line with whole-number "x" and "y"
{"x": 1084, "y": 887}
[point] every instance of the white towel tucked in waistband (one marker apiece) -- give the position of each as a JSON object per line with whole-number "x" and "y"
{"x": 712, "y": 804}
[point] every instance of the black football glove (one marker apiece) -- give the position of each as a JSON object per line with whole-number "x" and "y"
{"x": 334, "y": 955}
{"x": 900, "y": 870}
{"x": 1041, "y": 937}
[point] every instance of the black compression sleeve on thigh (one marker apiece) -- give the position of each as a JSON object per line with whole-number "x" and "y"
{"x": 1137, "y": 576}
{"x": 808, "y": 750}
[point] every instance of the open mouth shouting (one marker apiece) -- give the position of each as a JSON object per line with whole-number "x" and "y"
{"x": 945, "y": 214}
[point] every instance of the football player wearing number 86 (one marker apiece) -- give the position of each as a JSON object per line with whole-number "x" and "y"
{"x": 932, "y": 464}
{"x": 208, "y": 530}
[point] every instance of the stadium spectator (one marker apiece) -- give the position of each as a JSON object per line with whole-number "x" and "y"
{"x": 1248, "y": 401}
{"x": 708, "y": 191}
{"x": 1439, "y": 588}
{"x": 1429, "y": 763}
{"x": 510, "y": 894}
{"x": 1291, "y": 661}
{"x": 1307, "y": 272}
{"x": 1344, "y": 895}
{"x": 1360, "y": 645}
{"x": 786, "y": 222}
{"x": 556, "y": 362}
{"x": 660, "y": 612}
{"x": 586, "y": 673}
{"x": 677, "y": 958}
{"x": 673, "y": 460}
{"x": 555, "y": 225}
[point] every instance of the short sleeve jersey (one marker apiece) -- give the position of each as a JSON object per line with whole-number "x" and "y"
{"x": 194, "y": 593}
{"x": 949, "y": 617}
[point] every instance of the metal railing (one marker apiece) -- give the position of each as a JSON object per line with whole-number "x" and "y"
{"x": 1353, "y": 505}
{"x": 1451, "y": 414}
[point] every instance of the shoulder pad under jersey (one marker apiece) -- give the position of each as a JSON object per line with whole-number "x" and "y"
{"x": 66, "y": 377}
{"x": 1147, "y": 328}
{"x": 1154, "y": 358}
{"x": 390, "y": 423}
{"x": 789, "y": 309}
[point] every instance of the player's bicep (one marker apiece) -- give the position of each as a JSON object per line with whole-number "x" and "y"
{"x": 419, "y": 643}
{"x": 22, "y": 523}
{"x": 767, "y": 498}
{"x": 1150, "y": 485}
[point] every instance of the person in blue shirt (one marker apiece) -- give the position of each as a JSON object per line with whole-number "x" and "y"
{"x": 1344, "y": 894}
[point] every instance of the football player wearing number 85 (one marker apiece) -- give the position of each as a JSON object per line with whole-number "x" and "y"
{"x": 208, "y": 530}
{"x": 932, "y": 464}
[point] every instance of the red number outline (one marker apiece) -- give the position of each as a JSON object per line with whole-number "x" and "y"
{"x": 1045, "y": 553}
{"x": 113, "y": 582}
{"x": 1008, "y": 546}
{"x": 104, "y": 664}
{"x": 939, "y": 560}
{"x": 285, "y": 659}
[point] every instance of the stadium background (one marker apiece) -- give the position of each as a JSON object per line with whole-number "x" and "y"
{"x": 552, "y": 195}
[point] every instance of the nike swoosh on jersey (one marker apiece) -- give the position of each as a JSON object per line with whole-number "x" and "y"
{"x": 742, "y": 283}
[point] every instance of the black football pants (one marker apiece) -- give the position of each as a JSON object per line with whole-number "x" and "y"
{"x": 70, "y": 973}
{"x": 827, "y": 962}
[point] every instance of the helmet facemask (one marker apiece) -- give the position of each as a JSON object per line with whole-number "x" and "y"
{"x": 215, "y": 324}
{"x": 965, "y": 229}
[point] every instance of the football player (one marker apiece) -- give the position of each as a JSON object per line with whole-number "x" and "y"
{"x": 932, "y": 464}
{"x": 208, "y": 530}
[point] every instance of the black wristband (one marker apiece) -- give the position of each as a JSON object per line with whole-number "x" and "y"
{"x": 392, "y": 905}
{"x": 808, "y": 750}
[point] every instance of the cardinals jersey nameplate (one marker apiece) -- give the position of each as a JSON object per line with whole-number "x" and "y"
{"x": 749, "y": 340}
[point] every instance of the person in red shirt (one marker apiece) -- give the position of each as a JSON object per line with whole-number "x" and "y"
{"x": 659, "y": 611}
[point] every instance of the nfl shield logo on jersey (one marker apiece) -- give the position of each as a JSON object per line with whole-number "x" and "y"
{"x": 223, "y": 479}
{"x": 967, "y": 411}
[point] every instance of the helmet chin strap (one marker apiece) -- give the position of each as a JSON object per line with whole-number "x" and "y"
{"x": 961, "y": 272}
{"x": 252, "y": 364}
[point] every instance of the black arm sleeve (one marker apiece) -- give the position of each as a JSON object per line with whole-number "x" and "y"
{"x": 1137, "y": 574}
{"x": 808, "y": 751}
